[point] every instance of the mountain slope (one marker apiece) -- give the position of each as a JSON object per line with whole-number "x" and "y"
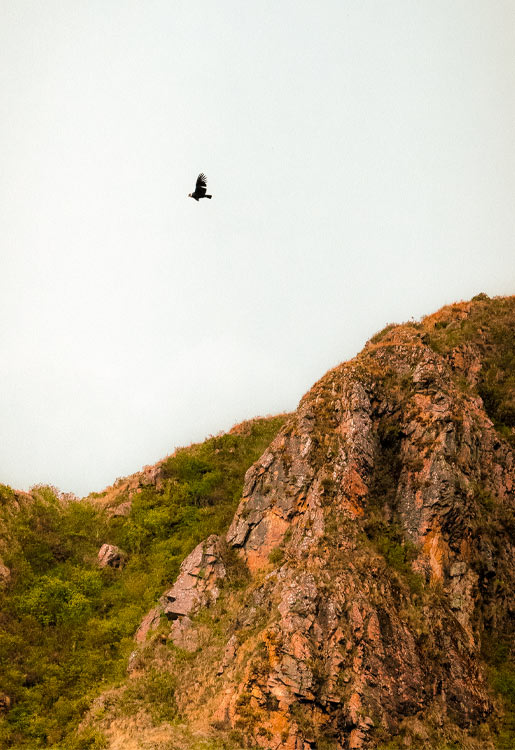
{"x": 353, "y": 590}
{"x": 67, "y": 620}
{"x": 363, "y": 595}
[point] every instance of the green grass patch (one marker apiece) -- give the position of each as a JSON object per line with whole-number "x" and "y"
{"x": 66, "y": 627}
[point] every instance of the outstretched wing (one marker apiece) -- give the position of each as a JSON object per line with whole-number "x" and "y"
{"x": 201, "y": 185}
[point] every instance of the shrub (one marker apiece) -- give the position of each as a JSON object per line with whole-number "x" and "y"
{"x": 276, "y": 556}
{"x": 67, "y": 626}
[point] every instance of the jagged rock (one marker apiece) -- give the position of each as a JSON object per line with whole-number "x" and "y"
{"x": 197, "y": 581}
{"x": 110, "y": 555}
{"x": 377, "y": 532}
{"x": 184, "y": 634}
{"x": 149, "y": 623}
{"x": 229, "y": 654}
{"x": 118, "y": 497}
{"x": 196, "y": 586}
{"x": 413, "y": 448}
{"x": 458, "y": 569}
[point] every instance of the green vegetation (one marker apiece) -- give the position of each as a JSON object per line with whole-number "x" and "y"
{"x": 156, "y": 692}
{"x": 66, "y": 626}
{"x": 388, "y": 536}
{"x": 490, "y": 326}
{"x": 498, "y": 653}
{"x": 276, "y": 556}
{"x": 389, "y": 539}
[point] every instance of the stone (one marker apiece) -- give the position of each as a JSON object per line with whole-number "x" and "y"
{"x": 110, "y": 555}
{"x": 150, "y": 622}
{"x": 197, "y": 581}
{"x": 229, "y": 654}
{"x": 196, "y": 586}
{"x": 184, "y": 634}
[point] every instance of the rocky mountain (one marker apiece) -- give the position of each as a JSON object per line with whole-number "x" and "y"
{"x": 362, "y": 594}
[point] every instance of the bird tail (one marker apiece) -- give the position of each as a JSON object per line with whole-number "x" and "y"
{"x": 208, "y": 196}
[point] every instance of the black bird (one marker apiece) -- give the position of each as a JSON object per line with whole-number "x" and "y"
{"x": 200, "y": 188}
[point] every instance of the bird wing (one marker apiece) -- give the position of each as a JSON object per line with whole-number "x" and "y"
{"x": 201, "y": 182}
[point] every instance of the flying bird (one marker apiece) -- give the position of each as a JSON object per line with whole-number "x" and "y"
{"x": 200, "y": 188}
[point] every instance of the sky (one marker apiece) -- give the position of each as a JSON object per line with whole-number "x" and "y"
{"x": 362, "y": 164}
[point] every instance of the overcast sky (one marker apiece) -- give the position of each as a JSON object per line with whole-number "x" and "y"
{"x": 361, "y": 156}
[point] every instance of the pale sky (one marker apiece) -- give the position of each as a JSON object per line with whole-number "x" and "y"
{"x": 361, "y": 156}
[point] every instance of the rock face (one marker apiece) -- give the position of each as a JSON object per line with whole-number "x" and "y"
{"x": 376, "y": 528}
{"x": 110, "y": 555}
{"x": 197, "y": 582}
{"x": 195, "y": 587}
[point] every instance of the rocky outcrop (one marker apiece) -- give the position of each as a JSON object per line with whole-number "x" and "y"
{"x": 149, "y": 623}
{"x": 121, "y": 511}
{"x": 198, "y": 580}
{"x": 117, "y": 499}
{"x": 392, "y": 447}
{"x": 377, "y": 503}
{"x": 109, "y": 555}
{"x": 197, "y": 585}
{"x": 377, "y": 529}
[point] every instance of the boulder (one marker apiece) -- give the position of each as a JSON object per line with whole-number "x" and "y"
{"x": 110, "y": 555}
{"x": 195, "y": 587}
{"x": 197, "y": 581}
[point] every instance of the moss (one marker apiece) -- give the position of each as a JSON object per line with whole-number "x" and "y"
{"x": 248, "y": 716}
{"x": 300, "y": 715}
{"x": 86, "y": 739}
{"x": 389, "y": 540}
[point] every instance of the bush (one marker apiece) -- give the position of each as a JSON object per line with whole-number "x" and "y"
{"x": 66, "y": 626}
{"x": 276, "y": 556}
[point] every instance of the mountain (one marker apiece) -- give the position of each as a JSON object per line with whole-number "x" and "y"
{"x": 361, "y": 594}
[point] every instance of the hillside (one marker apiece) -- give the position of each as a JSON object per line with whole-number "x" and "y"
{"x": 67, "y": 624}
{"x": 353, "y": 590}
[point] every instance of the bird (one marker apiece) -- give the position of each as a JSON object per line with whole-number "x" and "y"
{"x": 200, "y": 188}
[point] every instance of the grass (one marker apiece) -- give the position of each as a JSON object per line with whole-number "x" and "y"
{"x": 489, "y": 326}
{"x": 66, "y": 626}
{"x": 499, "y": 656}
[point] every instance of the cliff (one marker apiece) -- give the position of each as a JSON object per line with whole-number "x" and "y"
{"x": 364, "y": 590}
